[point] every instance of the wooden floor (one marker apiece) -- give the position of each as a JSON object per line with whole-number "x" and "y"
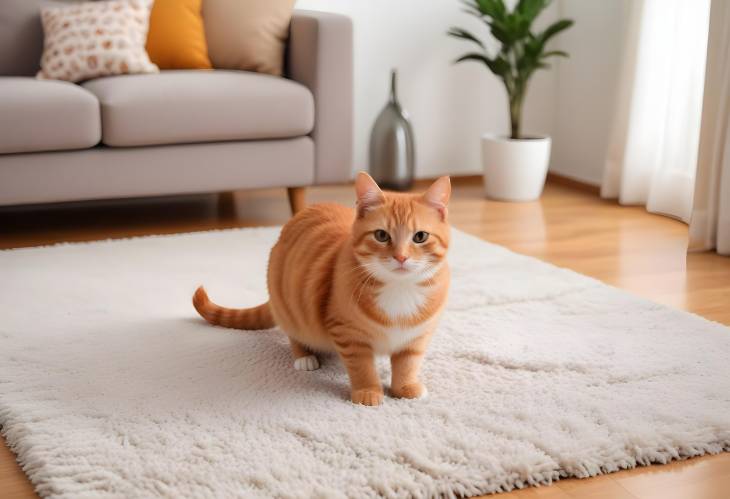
{"x": 623, "y": 246}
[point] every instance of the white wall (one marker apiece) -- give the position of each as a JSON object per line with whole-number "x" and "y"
{"x": 450, "y": 105}
{"x": 586, "y": 86}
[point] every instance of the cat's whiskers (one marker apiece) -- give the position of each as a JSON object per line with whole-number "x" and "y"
{"x": 369, "y": 275}
{"x": 430, "y": 271}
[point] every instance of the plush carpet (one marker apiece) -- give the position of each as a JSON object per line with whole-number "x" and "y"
{"x": 110, "y": 385}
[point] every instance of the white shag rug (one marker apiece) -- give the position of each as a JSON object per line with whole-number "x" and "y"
{"x": 111, "y": 386}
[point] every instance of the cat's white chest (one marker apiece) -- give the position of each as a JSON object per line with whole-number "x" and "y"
{"x": 394, "y": 339}
{"x": 401, "y": 299}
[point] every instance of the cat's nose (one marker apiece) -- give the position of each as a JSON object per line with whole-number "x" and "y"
{"x": 400, "y": 258}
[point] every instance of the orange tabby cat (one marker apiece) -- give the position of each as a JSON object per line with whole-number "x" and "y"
{"x": 360, "y": 282}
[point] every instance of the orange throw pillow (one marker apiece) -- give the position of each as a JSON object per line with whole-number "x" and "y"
{"x": 176, "y": 38}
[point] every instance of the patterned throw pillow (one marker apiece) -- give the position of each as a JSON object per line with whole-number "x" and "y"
{"x": 92, "y": 39}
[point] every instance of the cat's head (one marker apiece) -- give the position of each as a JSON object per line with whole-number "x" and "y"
{"x": 399, "y": 236}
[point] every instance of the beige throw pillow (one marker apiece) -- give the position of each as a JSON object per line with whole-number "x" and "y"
{"x": 249, "y": 35}
{"x": 92, "y": 39}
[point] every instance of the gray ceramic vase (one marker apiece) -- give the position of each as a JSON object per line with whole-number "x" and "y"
{"x": 392, "y": 152}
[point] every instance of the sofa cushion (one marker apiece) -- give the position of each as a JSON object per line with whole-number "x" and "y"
{"x": 176, "y": 107}
{"x": 40, "y": 115}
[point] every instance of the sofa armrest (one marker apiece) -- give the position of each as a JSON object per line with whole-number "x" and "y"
{"x": 319, "y": 55}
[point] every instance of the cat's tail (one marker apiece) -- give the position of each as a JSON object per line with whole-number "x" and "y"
{"x": 258, "y": 317}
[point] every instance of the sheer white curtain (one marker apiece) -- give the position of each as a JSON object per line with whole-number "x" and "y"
{"x": 652, "y": 155}
{"x": 710, "y": 225}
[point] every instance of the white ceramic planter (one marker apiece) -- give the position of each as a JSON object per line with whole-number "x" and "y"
{"x": 514, "y": 169}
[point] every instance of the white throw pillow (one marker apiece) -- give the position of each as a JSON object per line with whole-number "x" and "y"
{"x": 92, "y": 39}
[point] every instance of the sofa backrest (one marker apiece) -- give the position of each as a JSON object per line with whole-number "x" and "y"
{"x": 21, "y": 36}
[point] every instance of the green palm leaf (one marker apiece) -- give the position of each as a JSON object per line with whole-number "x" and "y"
{"x": 554, "y": 53}
{"x": 498, "y": 65}
{"x": 554, "y": 29}
{"x": 530, "y": 9}
{"x": 464, "y": 35}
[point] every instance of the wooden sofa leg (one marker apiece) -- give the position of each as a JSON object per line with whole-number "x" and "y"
{"x": 226, "y": 204}
{"x": 297, "y": 198}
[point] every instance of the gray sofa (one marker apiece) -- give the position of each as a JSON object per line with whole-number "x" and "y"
{"x": 177, "y": 132}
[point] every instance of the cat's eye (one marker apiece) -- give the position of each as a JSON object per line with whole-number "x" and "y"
{"x": 381, "y": 236}
{"x": 420, "y": 237}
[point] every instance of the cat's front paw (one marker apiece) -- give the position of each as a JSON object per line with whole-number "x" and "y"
{"x": 415, "y": 390}
{"x": 367, "y": 396}
{"x": 306, "y": 363}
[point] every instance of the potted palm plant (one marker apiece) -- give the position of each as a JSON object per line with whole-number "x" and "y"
{"x": 514, "y": 167}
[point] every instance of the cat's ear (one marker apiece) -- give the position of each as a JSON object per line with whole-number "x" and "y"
{"x": 368, "y": 193}
{"x": 438, "y": 195}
